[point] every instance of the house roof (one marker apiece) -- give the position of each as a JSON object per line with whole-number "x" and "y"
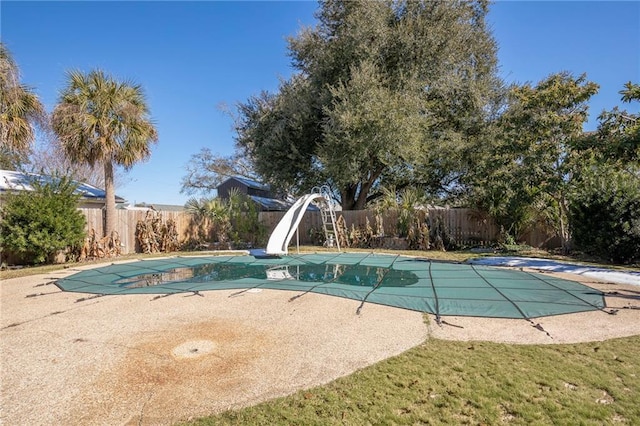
{"x": 270, "y": 204}
{"x": 18, "y": 181}
{"x": 248, "y": 182}
{"x": 161, "y": 207}
{"x": 273, "y": 204}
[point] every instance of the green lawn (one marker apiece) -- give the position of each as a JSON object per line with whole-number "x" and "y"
{"x": 443, "y": 382}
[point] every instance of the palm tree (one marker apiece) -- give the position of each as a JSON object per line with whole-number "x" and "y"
{"x": 20, "y": 109}
{"x": 102, "y": 121}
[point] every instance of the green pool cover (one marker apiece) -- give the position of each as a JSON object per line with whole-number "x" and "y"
{"x": 439, "y": 288}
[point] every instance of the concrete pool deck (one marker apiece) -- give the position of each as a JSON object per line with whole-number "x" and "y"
{"x": 68, "y": 358}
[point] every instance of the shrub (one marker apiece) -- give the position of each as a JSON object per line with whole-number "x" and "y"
{"x": 235, "y": 219}
{"x": 37, "y": 224}
{"x": 605, "y": 215}
{"x": 246, "y": 230}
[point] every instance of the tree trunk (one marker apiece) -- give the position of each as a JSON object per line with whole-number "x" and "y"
{"x": 564, "y": 225}
{"x": 110, "y": 199}
{"x": 352, "y": 202}
{"x": 348, "y": 196}
{"x": 361, "y": 201}
{"x": 354, "y": 197}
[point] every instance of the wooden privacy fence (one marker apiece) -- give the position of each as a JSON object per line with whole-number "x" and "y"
{"x": 465, "y": 226}
{"x": 126, "y": 221}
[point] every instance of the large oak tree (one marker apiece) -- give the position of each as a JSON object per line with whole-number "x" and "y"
{"x": 385, "y": 94}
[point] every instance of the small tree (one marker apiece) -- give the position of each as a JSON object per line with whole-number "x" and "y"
{"x": 531, "y": 162}
{"x": 38, "y": 224}
{"x": 212, "y": 218}
{"x": 605, "y": 208}
{"x": 234, "y": 219}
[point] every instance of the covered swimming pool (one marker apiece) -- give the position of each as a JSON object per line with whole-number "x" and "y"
{"x": 419, "y": 284}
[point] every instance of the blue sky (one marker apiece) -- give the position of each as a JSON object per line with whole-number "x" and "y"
{"x": 193, "y": 57}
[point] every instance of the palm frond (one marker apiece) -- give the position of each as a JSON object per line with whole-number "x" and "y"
{"x": 20, "y": 108}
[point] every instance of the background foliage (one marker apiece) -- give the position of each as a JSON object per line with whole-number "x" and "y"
{"x": 605, "y": 214}
{"x": 37, "y": 224}
{"x": 232, "y": 220}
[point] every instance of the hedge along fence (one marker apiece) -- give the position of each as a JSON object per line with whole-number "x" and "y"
{"x": 465, "y": 226}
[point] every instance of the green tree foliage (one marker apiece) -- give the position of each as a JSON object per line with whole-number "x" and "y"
{"x": 37, "y": 224}
{"x": 618, "y": 134}
{"x": 530, "y": 169}
{"x": 100, "y": 120}
{"x": 386, "y": 94}
{"x": 605, "y": 213}
{"x": 277, "y": 133}
{"x": 20, "y": 111}
{"x": 605, "y": 208}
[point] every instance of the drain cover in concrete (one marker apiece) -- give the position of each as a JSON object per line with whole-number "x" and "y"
{"x": 193, "y": 349}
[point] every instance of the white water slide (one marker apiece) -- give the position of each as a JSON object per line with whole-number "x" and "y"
{"x": 281, "y": 236}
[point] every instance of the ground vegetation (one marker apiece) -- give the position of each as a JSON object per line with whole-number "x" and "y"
{"x": 38, "y": 225}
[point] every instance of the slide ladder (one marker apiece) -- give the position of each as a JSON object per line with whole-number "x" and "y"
{"x": 328, "y": 212}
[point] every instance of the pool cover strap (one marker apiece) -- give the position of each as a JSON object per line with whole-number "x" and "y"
{"x": 435, "y": 297}
{"x": 374, "y": 288}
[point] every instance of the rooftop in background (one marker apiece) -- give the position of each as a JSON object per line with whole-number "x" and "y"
{"x": 243, "y": 186}
{"x": 12, "y": 181}
{"x": 158, "y": 207}
{"x": 260, "y": 193}
{"x": 270, "y": 204}
{"x": 251, "y": 183}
